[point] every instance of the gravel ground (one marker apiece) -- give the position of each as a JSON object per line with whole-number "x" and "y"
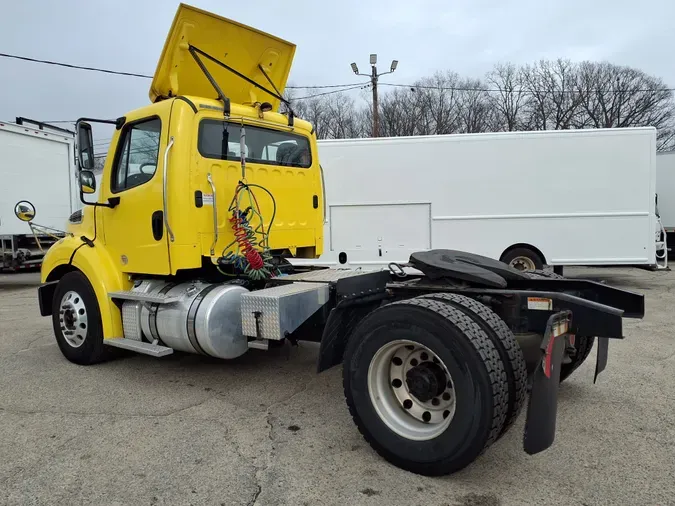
{"x": 266, "y": 429}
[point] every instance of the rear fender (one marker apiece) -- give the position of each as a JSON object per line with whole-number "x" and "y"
{"x": 97, "y": 265}
{"x": 630, "y": 303}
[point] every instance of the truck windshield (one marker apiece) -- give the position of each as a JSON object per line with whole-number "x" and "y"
{"x": 263, "y": 145}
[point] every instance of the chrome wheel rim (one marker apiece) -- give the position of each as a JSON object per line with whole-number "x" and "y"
{"x": 523, "y": 263}
{"x": 73, "y": 319}
{"x": 411, "y": 390}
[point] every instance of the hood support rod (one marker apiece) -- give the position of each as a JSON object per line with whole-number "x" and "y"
{"x": 221, "y": 96}
{"x": 196, "y": 52}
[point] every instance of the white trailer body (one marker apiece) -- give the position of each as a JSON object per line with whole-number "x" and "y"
{"x": 38, "y": 166}
{"x": 665, "y": 189}
{"x": 578, "y": 197}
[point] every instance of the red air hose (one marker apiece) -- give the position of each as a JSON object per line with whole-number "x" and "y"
{"x": 243, "y": 235}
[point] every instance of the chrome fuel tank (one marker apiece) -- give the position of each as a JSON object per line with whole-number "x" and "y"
{"x": 206, "y": 318}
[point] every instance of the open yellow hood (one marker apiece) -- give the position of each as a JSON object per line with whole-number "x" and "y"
{"x": 239, "y": 46}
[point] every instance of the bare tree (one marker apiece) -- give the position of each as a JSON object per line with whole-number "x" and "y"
{"x": 544, "y": 96}
{"x": 438, "y": 101}
{"x": 509, "y": 96}
{"x": 400, "y": 114}
{"x": 475, "y": 112}
{"x": 552, "y": 98}
{"x": 613, "y": 96}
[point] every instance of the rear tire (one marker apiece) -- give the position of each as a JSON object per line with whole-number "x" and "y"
{"x": 77, "y": 320}
{"x": 540, "y": 273}
{"x": 447, "y": 342}
{"x": 523, "y": 259}
{"x": 501, "y": 336}
{"x": 584, "y": 345}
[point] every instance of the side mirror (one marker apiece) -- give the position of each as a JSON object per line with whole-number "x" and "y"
{"x": 87, "y": 182}
{"x": 85, "y": 146}
{"x": 24, "y": 210}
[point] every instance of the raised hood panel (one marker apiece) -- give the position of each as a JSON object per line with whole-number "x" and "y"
{"x": 239, "y": 46}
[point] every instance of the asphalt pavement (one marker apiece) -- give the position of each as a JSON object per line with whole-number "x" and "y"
{"x": 265, "y": 429}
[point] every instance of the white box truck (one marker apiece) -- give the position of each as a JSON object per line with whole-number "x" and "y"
{"x": 556, "y": 198}
{"x": 36, "y": 162}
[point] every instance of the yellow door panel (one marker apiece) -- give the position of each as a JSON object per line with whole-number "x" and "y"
{"x": 134, "y": 229}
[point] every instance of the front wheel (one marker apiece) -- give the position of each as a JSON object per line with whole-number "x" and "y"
{"x": 77, "y": 320}
{"x": 425, "y": 386}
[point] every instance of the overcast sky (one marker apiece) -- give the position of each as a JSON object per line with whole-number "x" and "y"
{"x": 467, "y": 36}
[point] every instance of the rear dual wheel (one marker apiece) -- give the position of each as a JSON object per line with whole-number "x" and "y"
{"x": 426, "y": 385}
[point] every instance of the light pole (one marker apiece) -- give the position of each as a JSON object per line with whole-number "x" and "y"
{"x": 373, "y": 81}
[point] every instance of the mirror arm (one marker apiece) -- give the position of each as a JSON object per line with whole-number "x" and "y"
{"x": 112, "y": 203}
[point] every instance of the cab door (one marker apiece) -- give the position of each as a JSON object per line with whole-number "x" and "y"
{"x": 134, "y": 229}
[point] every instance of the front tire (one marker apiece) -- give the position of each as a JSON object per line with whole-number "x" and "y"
{"x": 76, "y": 319}
{"x": 425, "y": 386}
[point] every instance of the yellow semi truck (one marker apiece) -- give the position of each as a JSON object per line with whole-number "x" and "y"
{"x": 208, "y": 192}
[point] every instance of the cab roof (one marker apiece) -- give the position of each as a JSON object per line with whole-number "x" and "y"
{"x": 243, "y": 48}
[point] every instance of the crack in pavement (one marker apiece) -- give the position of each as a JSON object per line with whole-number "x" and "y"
{"x": 260, "y": 470}
{"x": 101, "y": 413}
{"x": 30, "y": 343}
{"x": 254, "y": 499}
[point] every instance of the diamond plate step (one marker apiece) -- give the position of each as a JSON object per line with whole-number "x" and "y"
{"x": 323, "y": 275}
{"x": 143, "y": 297}
{"x": 139, "y": 347}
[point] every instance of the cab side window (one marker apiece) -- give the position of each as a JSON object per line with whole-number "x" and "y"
{"x": 137, "y": 155}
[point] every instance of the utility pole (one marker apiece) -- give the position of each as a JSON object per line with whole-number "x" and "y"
{"x": 374, "y": 76}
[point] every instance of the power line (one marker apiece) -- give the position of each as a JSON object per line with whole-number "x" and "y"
{"x": 319, "y": 86}
{"x": 519, "y": 90}
{"x": 133, "y": 74}
{"x": 346, "y": 87}
{"x": 331, "y": 92}
{"x": 79, "y": 67}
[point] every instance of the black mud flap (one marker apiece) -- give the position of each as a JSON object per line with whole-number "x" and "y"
{"x": 45, "y": 296}
{"x": 543, "y": 403}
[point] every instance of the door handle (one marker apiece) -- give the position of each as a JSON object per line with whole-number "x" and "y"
{"x": 157, "y": 225}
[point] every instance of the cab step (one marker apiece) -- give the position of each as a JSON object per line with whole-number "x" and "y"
{"x": 143, "y": 297}
{"x": 153, "y": 350}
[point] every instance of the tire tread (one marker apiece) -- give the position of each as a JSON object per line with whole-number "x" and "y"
{"x": 491, "y": 360}
{"x": 504, "y": 341}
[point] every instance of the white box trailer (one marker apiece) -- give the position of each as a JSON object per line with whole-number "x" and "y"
{"x": 35, "y": 165}
{"x": 665, "y": 190}
{"x": 557, "y": 198}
